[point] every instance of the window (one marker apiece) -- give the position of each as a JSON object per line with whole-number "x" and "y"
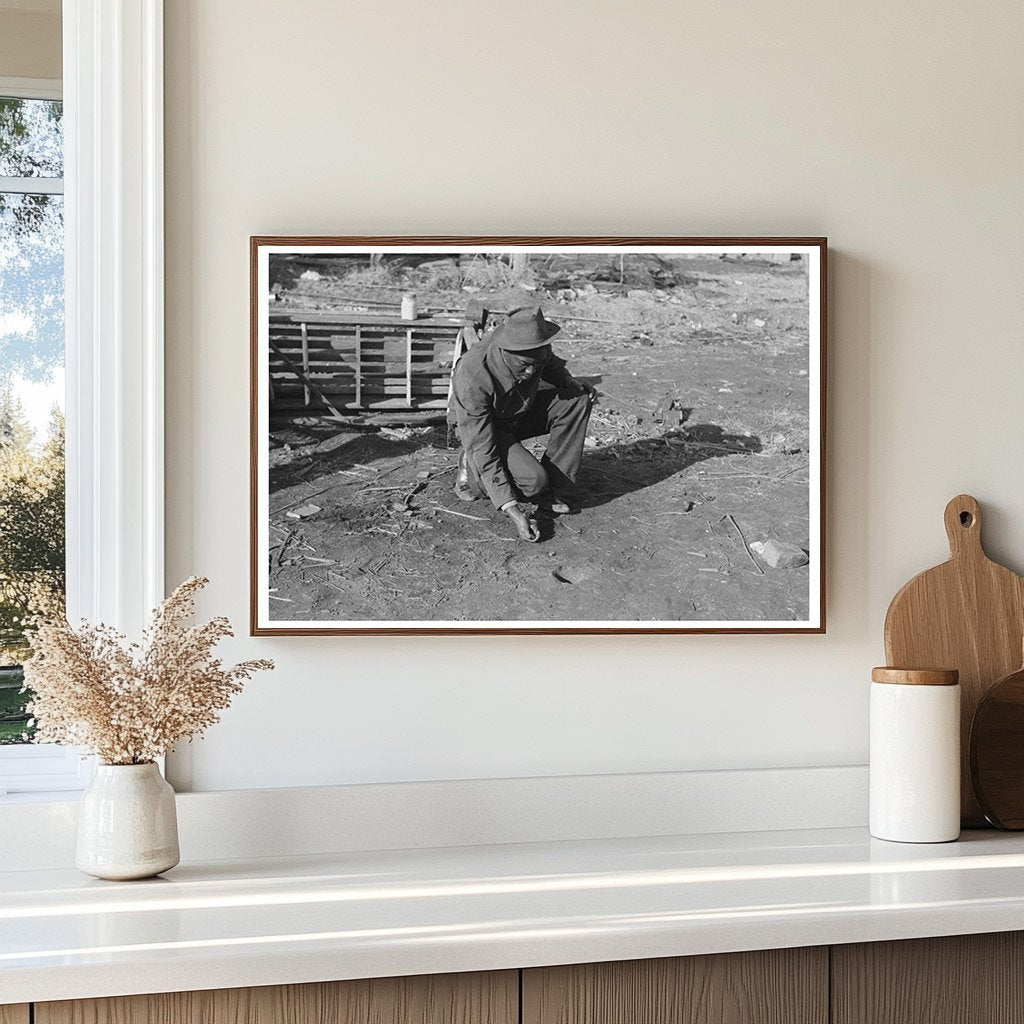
{"x": 32, "y": 530}
{"x": 112, "y": 209}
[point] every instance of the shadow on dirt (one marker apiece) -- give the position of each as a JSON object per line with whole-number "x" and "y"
{"x": 614, "y": 470}
{"x": 348, "y": 450}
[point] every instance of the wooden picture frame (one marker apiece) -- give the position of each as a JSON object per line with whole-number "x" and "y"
{"x": 764, "y": 299}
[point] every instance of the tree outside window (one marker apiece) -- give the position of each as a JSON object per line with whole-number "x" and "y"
{"x": 32, "y": 543}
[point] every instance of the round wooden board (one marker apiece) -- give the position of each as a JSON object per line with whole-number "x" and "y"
{"x": 997, "y": 752}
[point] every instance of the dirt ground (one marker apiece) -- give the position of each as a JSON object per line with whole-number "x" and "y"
{"x": 667, "y": 511}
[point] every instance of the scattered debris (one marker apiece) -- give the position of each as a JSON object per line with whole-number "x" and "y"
{"x": 743, "y": 540}
{"x": 670, "y": 411}
{"x": 461, "y": 515}
{"x": 303, "y": 511}
{"x": 687, "y": 508}
{"x": 778, "y": 554}
{"x": 575, "y": 573}
{"x": 397, "y": 433}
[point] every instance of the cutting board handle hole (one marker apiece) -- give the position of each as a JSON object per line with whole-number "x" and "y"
{"x": 966, "y": 519}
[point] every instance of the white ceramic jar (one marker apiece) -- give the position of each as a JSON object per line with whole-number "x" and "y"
{"x": 127, "y": 823}
{"x": 915, "y": 755}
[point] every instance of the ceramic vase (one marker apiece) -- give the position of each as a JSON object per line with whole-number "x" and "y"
{"x": 127, "y": 825}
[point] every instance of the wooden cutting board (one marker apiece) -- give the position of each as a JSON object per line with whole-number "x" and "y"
{"x": 967, "y": 614}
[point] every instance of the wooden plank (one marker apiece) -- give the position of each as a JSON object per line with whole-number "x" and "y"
{"x": 374, "y": 384}
{"x": 480, "y": 998}
{"x": 313, "y": 387}
{"x": 359, "y": 369}
{"x": 14, "y": 1014}
{"x": 305, "y": 360}
{"x": 393, "y": 347}
{"x": 332, "y": 359}
{"x": 408, "y": 365}
{"x": 341, "y": 396}
{"x": 295, "y": 407}
{"x": 328, "y": 344}
{"x": 372, "y": 372}
{"x": 397, "y": 370}
{"x": 366, "y": 319}
{"x": 960, "y": 979}
{"x": 777, "y": 986}
{"x": 332, "y": 322}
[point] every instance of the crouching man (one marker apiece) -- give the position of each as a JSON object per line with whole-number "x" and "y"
{"x": 507, "y": 388}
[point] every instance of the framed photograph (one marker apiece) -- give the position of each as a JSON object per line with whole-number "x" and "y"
{"x": 537, "y": 435}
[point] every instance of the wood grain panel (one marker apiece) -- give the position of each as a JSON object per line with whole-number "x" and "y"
{"x": 481, "y": 998}
{"x": 961, "y": 979}
{"x": 14, "y": 1014}
{"x": 967, "y": 614}
{"x": 778, "y": 986}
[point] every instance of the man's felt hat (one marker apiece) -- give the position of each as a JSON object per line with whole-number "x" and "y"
{"x": 523, "y": 329}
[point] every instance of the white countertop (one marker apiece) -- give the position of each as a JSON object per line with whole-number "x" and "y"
{"x": 225, "y": 924}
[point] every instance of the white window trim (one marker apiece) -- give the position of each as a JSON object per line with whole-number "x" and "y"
{"x": 32, "y": 88}
{"x": 42, "y": 768}
{"x": 113, "y": 168}
{"x": 39, "y": 767}
{"x": 31, "y": 186}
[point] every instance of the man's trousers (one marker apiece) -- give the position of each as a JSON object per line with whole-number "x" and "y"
{"x": 563, "y": 417}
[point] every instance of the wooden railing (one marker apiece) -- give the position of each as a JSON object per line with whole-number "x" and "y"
{"x": 355, "y": 361}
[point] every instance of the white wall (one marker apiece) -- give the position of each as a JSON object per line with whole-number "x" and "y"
{"x": 895, "y": 129}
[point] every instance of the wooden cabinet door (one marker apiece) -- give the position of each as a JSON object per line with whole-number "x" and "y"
{"x": 482, "y": 998}
{"x": 776, "y": 986}
{"x": 14, "y": 1014}
{"x": 961, "y": 979}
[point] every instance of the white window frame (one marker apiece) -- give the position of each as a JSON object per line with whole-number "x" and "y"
{"x": 114, "y": 265}
{"x": 39, "y": 767}
{"x": 31, "y": 89}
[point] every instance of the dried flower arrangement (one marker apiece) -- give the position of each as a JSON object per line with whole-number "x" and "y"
{"x": 130, "y": 703}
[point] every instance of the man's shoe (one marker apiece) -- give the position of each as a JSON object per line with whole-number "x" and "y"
{"x": 463, "y": 488}
{"x": 556, "y": 504}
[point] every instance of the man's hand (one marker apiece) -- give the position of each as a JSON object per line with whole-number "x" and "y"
{"x": 525, "y": 526}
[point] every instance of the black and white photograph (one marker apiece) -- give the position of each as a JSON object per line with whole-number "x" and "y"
{"x": 537, "y": 435}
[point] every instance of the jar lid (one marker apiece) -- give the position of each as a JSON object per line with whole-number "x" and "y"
{"x": 916, "y": 676}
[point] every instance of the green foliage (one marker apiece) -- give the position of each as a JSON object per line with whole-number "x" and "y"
{"x": 32, "y": 548}
{"x": 31, "y": 138}
{"x": 31, "y": 346}
{"x": 14, "y": 719}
